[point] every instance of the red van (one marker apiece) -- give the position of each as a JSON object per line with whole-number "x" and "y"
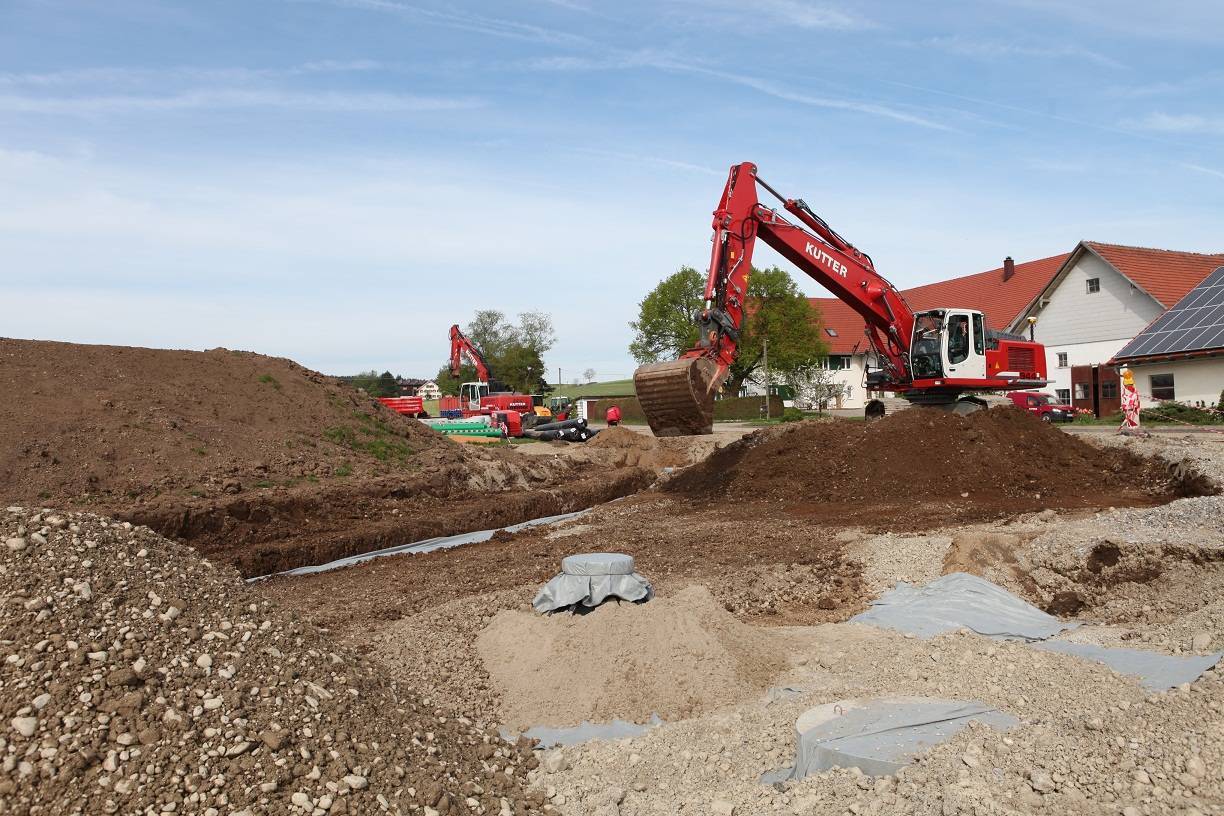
{"x": 1043, "y": 405}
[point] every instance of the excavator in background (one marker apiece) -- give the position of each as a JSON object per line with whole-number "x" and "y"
{"x": 937, "y": 357}
{"x": 485, "y": 396}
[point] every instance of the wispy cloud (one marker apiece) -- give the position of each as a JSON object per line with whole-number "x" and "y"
{"x": 1190, "y": 123}
{"x": 318, "y": 102}
{"x": 798, "y": 13}
{"x": 1198, "y": 168}
{"x": 998, "y": 50}
{"x": 130, "y": 76}
{"x": 787, "y": 94}
{"x": 637, "y": 158}
{"x": 464, "y": 21}
{"x": 614, "y": 60}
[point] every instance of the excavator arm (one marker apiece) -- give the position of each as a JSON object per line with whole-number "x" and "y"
{"x": 678, "y": 396}
{"x": 462, "y": 347}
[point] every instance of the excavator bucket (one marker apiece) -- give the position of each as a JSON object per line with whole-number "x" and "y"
{"x": 678, "y": 397}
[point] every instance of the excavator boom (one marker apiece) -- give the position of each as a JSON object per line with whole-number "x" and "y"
{"x": 462, "y": 347}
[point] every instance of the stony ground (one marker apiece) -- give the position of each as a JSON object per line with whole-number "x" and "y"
{"x": 1090, "y": 741}
{"x": 137, "y": 677}
{"x": 140, "y": 678}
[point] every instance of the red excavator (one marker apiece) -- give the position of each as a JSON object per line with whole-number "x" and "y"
{"x": 937, "y": 357}
{"x": 482, "y": 397}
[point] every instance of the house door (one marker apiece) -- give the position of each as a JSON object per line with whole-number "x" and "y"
{"x": 1084, "y": 394}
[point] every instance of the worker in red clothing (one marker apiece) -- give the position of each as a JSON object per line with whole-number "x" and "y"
{"x": 612, "y": 415}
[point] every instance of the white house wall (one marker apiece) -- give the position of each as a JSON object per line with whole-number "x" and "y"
{"x": 1074, "y": 317}
{"x": 1077, "y": 354}
{"x": 1193, "y": 380}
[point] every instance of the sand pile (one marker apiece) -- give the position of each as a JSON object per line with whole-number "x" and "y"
{"x": 925, "y": 465}
{"x": 138, "y": 678}
{"x": 632, "y": 449}
{"x": 676, "y": 656}
{"x": 98, "y": 425}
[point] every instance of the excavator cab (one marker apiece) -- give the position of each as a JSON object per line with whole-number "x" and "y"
{"x": 471, "y": 392}
{"x": 948, "y": 343}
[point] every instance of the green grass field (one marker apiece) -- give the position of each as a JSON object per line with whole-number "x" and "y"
{"x": 611, "y": 388}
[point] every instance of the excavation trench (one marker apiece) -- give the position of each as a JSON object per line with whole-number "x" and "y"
{"x": 266, "y": 535}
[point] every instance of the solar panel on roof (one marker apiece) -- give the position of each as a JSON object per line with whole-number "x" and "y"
{"x": 1195, "y": 323}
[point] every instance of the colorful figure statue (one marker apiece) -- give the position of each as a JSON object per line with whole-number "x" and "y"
{"x": 1130, "y": 402}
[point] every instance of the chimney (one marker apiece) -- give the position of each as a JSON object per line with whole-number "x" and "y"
{"x": 1009, "y": 268}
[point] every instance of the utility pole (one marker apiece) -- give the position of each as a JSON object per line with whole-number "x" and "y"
{"x": 558, "y": 378}
{"x": 766, "y": 346}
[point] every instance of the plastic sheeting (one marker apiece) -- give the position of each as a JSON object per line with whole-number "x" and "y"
{"x": 589, "y": 579}
{"x": 1156, "y": 672}
{"x": 427, "y": 545}
{"x": 960, "y": 600}
{"x": 879, "y": 736}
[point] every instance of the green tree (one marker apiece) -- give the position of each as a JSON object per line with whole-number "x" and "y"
{"x": 667, "y": 317}
{"x": 667, "y": 325}
{"x": 779, "y": 311}
{"x": 386, "y": 386}
{"x": 514, "y": 352}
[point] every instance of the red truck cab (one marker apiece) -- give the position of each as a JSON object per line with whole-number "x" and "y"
{"x": 1042, "y": 405}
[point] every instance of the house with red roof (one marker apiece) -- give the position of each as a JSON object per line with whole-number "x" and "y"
{"x": 1100, "y": 298}
{"x": 1085, "y": 306}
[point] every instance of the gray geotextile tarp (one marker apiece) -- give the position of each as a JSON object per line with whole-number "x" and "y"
{"x": 589, "y": 579}
{"x": 1156, "y": 672}
{"x": 963, "y": 600}
{"x": 960, "y": 600}
{"x": 879, "y": 736}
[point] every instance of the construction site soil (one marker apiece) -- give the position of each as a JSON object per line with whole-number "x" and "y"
{"x": 254, "y": 459}
{"x": 921, "y": 468}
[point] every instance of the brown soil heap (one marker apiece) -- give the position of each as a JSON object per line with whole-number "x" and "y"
{"x": 98, "y": 425}
{"x": 141, "y": 678}
{"x": 254, "y": 459}
{"x": 676, "y": 657}
{"x": 924, "y": 465}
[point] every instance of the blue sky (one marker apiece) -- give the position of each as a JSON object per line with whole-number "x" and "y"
{"x": 338, "y": 181}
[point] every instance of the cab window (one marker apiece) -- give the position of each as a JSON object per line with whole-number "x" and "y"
{"x": 979, "y": 335}
{"x": 958, "y": 339}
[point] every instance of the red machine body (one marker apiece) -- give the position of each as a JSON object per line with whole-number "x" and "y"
{"x": 408, "y": 406}
{"x": 930, "y": 357}
{"x": 485, "y": 396}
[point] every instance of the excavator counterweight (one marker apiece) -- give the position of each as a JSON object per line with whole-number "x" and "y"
{"x": 678, "y": 396}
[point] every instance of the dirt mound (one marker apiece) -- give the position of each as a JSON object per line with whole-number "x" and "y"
{"x": 677, "y": 657}
{"x": 141, "y": 678}
{"x": 922, "y": 466}
{"x": 633, "y": 449}
{"x": 97, "y": 426}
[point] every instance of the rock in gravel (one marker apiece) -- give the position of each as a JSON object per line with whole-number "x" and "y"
{"x": 16, "y": 543}
{"x": 1201, "y": 642}
{"x": 115, "y": 707}
{"x": 1041, "y": 782}
{"x": 721, "y": 807}
{"x": 25, "y": 726}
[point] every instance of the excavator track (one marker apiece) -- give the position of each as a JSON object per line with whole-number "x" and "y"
{"x": 678, "y": 396}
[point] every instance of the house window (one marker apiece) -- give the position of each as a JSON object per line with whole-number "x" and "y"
{"x": 1062, "y": 359}
{"x": 1064, "y": 395}
{"x": 1094, "y": 285}
{"x": 837, "y": 362}
{"x": 1081, "y": 391}
{"x": 830, "y": 331}
{"x": 1162, "y": 387}
{"x": 1109, "y": 389}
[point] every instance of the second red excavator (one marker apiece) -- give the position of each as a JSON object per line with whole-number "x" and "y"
{"x": 937, "y": 357}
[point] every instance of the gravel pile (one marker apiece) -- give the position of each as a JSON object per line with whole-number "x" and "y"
{"x": 136, "y": 677}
